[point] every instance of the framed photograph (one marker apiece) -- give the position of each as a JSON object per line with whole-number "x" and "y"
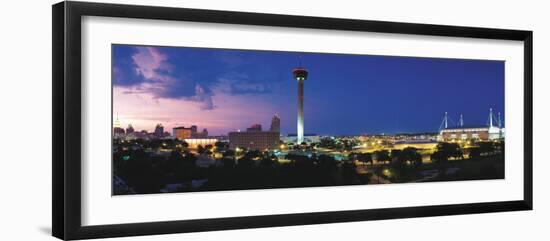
{"x": 169, "y": 120}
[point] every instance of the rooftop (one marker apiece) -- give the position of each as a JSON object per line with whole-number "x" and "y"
{"x": 466, "y": 127}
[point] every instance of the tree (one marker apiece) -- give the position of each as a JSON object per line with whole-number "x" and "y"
{"x": 267, "y": 162}
{"x": 201, "y": 149}
{"x": 253, "y": 154}
{"x": 382, "y": 155}
{"x": 228, "y": 162}
{"x": 353, "y": 156}
{"x": 475, "y": 153}
{"x": 439, "y": 157}
{"x": 184, "y": 144}
{"x": 407, "y": 156}
{"x": 347, "y": 145}
{"x": 365, "y": 158}
{"x": 220, "y": 145}
{"x": 445, "y": 151}
{"x": 246, "y": 162}
{"x": 349, "y": 173}
{"x": 327, "y": 143}
{"x": 228, "y": 153}
{"x": 411, "y": 155}
{"x": 396, "y": 157}
{"x": 326, "y": 161}
{"x": 487, "y": 148}
{"x": 312, "y": 145}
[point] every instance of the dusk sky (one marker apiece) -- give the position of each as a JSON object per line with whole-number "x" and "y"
{"x": 226, "y": 90}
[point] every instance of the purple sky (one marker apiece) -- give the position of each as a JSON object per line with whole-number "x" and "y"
{"x": 227, "y": 90}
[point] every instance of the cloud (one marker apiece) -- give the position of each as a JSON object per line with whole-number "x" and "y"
{"x": 232, "y": 113}
{"x": 193, "y": 74}
{"x": 148, "y": 70}
{"x": 250, "y": 88}
{"x": 124, "y": 73}
{"x": 241, "y": 84}
{"x": 204, "y": 98}
{"x": 148, "y": 61}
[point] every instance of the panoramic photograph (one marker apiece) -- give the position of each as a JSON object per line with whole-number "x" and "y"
{"x": 189, "y": 119}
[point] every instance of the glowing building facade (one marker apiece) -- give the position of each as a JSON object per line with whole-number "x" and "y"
{"x": 182, "y": 133}
{"x": 492, "y": 131}
{"x": 256, "y": 139}
{"x": 195, "y": 142}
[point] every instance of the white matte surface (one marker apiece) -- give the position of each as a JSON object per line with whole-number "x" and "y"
{"x": 101, "y": 208}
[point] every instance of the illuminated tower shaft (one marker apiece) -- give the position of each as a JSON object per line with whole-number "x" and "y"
{"x": 300, "y": 130}
{"x": 300, "y": 75}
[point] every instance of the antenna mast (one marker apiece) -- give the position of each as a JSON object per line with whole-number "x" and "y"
{"x": 490, "y": 117}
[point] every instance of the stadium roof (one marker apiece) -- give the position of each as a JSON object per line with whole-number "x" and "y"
{"x": 466, "y": 127}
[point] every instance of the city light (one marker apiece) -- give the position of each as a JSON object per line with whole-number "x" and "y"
{"x": 342, "y": 145}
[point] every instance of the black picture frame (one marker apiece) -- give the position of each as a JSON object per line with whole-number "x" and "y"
{"x": 66, "y": 127}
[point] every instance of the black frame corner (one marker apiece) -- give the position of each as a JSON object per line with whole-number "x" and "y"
{"x": 66, "y": 127}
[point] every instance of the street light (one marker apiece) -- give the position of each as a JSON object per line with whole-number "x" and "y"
{"x": 387, "y": 172}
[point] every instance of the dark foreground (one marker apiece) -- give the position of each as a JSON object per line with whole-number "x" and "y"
{"x": 140, "y": 171}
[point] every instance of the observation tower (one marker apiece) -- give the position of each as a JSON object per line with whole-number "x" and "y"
{"x": 300, "y": 74}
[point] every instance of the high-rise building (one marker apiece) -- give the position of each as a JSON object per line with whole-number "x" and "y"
{"x": 159, "y": 130}
{"x": 275, "y": 124}
{"x": 129, "y": 129}
{"x": 255, "y": 127}
{"x": 254, "y": 140}
{"x": 300, "y": 74}
{"x": 182, "y": 133}
{"x": 117, "y": 129}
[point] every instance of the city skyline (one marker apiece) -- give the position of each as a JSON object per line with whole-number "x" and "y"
{"x": 226, "y": 90}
